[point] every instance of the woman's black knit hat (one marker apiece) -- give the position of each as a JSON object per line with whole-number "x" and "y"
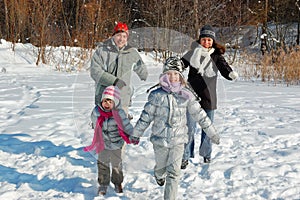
{"x": 207, "y": 31}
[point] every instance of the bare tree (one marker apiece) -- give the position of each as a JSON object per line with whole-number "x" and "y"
{"x": 84, "y": 22}
{"x": 41, "y": 17}
{"x": 297, "y": 3}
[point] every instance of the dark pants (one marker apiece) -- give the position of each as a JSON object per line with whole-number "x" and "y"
{"x": 105, "y": 158}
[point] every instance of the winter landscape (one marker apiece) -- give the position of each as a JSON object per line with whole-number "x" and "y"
{"x": 45, "y": 123}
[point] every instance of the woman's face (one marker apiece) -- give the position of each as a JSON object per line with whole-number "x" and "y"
{"x": 107, "y": 104}
{"x": 174, "y": 76}
{"x": 120, "y": 39}
{"x": 206, "y": 42}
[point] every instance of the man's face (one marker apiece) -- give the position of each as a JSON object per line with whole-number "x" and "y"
{"x": 120, "y": 39}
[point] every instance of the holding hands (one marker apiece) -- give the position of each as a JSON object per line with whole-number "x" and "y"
{"x": 134, "y": 140}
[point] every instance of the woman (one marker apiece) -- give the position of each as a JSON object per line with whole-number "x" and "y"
{"x": 205, "y": 59}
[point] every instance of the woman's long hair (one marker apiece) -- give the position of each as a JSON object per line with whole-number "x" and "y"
{"x": 219, "y": 48}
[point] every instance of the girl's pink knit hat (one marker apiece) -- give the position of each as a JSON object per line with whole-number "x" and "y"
{"x": 113, "y": 93}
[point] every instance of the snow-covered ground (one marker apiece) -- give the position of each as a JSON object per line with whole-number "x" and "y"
{"x": 44, "y": 123}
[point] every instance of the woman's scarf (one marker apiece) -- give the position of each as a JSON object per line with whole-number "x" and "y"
{"x": 98, "y": 142}
{"x": 202, "y": 61}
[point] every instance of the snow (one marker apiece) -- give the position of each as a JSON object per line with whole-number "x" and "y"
{"x": 44, "y": 122}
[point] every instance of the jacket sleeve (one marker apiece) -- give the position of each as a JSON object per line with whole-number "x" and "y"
{"x": 223, "y": 66}
{"x": 127, "y": 126}
{"x": 185, "y": 59}
{"x": 94, "y": 116}
{"x": 146, "y": 117}
{"x": 200, "y": 116}
{"x": 140, "y": 68}
{"x": 98, "y": 70}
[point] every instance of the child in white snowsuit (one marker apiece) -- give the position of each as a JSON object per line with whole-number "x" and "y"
{"x": 167, "y": 108}
{"x": 112, "y": 128}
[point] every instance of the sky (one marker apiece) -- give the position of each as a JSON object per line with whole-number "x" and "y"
{"x": 45, "y": 123}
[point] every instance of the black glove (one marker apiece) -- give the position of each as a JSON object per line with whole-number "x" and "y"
{"x": 119, "y": 83}
{"x": 134, "y": 140}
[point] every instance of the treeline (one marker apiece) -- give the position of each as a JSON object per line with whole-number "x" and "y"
{"x": 82, "y": 23}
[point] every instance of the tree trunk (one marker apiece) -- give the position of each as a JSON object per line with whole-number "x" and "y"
{"x": 298, "y": 31}
{"x": 264, "y": 31}
{"x": 196, "y": 17}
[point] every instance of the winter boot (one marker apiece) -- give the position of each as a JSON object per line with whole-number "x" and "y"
{"x": 160, "y": 181}
{"x": 184, "y": 164}
{"x": 130, "y": 117}
{"x": 102, "y": 190}
{"x": 118, "y": 188}
{"x": 207, "y": 160}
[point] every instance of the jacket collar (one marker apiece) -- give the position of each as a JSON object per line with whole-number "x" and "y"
{"x": 110, "y": 45}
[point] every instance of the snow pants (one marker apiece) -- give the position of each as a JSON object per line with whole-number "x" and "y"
{"x": 167, "y": 165}
{"x": 105, "y": 158}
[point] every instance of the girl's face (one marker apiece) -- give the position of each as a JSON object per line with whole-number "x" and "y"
{"x": 120, "y": 39}
{"x": 206, "y": 42}
{"x": 107, "y": 104}
{"x": 174, "y": 76}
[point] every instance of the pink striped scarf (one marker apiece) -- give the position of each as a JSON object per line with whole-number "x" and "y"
{"x": 98, "y": 142}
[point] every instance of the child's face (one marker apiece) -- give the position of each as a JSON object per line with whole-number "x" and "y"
{"x": 174, "y": 76}
{"x": 107, "y": 104}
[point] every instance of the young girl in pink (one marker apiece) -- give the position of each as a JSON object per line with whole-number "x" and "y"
{"x": 111, "y": 129}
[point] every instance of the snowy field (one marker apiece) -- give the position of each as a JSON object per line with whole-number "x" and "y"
{"x": 44, "y": 122}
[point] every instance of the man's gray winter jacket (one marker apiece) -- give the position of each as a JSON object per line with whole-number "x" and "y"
{"x": 168, "y": 112}
{"x": 109, "y": 63}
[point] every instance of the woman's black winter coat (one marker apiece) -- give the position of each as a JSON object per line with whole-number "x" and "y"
{"x": 206, "y": 87}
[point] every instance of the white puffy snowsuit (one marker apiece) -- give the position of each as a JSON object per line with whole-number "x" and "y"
{"x": 168, "y": 112}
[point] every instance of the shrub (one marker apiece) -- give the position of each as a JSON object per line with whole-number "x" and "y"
{"x": 278, "y": 66}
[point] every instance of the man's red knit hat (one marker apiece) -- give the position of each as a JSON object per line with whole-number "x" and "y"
{"x": 121, "y": 27}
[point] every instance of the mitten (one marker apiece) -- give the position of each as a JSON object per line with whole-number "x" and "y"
{"x": 134, "y": 140}
{"x": 215, "y": 139}
{"x": 233, "y": 75}
{"x": 119, "y": 83}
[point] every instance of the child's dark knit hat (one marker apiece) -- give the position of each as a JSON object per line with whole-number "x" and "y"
{"x": 173, "y": 63}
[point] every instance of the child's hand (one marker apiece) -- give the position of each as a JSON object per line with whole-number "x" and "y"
{"x": 134, "y": 140}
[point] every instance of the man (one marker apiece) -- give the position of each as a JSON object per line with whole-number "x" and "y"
{"x": 112, "y": 64}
